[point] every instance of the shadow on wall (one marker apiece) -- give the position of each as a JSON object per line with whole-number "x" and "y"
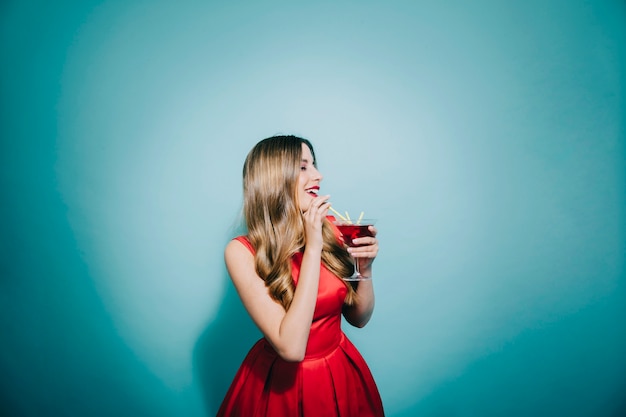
{"x": 222, "y": 347}
{"x": 571, "y": 367}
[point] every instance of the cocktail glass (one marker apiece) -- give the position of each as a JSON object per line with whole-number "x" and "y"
{"x": 349, "y": 231}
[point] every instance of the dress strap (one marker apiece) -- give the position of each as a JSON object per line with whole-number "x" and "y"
{"x": 331, "y": 220}
{"x": 244, "y": 240}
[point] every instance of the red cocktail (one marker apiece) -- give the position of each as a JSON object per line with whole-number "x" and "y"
{"x": 353, "y": 231}
{"x": 350, "y": 231}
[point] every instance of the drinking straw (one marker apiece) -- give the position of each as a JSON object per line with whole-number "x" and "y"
{"x": 348, "y": 217}
{"x": 360, "y": 218}
{"x": 338, "y": 214}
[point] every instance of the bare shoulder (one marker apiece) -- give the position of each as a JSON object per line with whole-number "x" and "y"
{"x": 240, "y": 262}
{"x": 265, "y": 312}
{"x": 235, "y": 248}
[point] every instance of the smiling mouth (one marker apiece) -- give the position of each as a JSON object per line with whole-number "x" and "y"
{"x": 312, "y": 191}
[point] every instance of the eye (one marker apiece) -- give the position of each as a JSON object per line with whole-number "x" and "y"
{"x": 303, "y": 168}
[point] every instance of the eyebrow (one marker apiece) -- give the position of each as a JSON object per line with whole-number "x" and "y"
{"x": 306, "y": 161}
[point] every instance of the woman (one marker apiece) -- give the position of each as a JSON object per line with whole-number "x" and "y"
{"x": 286, "y": 271}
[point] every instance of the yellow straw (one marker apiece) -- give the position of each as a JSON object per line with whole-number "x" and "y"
{"x": 360, "y": 218}
{"x": 338, "y": 214}
{"x": 348, "y": 217}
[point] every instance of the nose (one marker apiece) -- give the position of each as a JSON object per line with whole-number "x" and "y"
{"x": 317, "y": 175}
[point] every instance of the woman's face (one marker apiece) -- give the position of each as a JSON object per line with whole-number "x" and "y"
{"x": 309, "y": 180}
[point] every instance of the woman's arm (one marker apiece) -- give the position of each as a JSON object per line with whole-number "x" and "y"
{"x": 287, "y": 331}
{"x": 361, "y": 311}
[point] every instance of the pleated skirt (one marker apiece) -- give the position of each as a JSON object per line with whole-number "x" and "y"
{"x": 336, "y": 382}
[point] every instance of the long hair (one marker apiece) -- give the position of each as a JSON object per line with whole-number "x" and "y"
{"x": 274, "y": 220}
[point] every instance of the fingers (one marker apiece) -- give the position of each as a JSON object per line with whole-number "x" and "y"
{"x": 368, "y": 248}
{"x": 318, "y": 208}
{"x": 313, "y": 220}
{"x": 369, "y": 240}
{"x": 364, "y": 251}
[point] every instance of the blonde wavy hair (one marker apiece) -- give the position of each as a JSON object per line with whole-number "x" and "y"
{"x": 274, "y": 219}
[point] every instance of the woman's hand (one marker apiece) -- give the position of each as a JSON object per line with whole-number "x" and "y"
{"x": 313, "y": 219}
{"x": 365, "y": 251}
{"x": 359, "y": 313}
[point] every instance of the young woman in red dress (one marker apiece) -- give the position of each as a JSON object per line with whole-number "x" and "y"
{"x": 287, "y": 271}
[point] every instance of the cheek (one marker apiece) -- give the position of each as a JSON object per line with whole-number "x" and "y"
{"x": 303, "y": 196}
{"x": 302, "y": 180}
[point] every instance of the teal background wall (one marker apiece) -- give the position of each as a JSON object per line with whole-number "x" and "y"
{"x": 487, "y": 137}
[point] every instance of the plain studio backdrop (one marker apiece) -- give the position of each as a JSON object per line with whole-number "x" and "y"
{"x": 487, "y": 138}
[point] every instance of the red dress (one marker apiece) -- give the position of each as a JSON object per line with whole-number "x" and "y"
{"x": 332, "y": 380}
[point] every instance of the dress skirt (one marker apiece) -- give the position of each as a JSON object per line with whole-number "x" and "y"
{"x": 337, "y": 382}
